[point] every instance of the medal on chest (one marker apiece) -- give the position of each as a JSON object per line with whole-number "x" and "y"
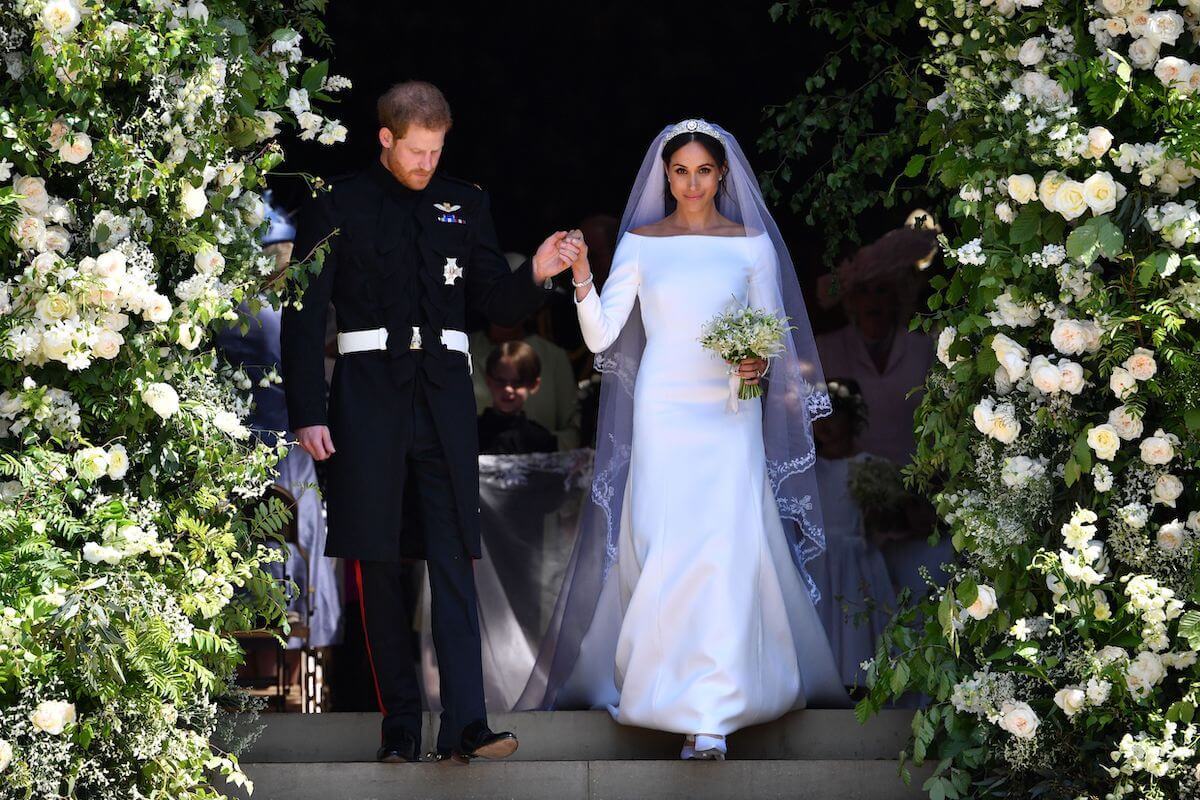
{"x": 452, "y": 271}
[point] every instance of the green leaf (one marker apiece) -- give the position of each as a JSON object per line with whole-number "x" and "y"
{"x": 1189, "y": 628}
{"x": 900, "y": 676}
{"x": 1110, "y": 239}
{"x": 1084, "y": 243}
{"x": 314, "y": 76}
{"x": 1025, "y": 226}
{"x": 967, "y": 592}
{"x": 1071, "y": 472}
{"x": 1191, "y": 418}
{"x": 914, "y": 166}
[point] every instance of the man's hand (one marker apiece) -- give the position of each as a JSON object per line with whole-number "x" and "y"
{"x": 315, "y": 441}
{"x": 556, "y": 254}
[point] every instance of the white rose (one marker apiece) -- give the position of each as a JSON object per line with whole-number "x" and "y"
{"x": 1019, "y": 719}
{"x": 1148, "y": 667}
{"x": 1099, "y": 142}
{"x": 108, "y": 344}
{"x": 1070, "y": 377}
{"x": 1114, "y": 7}
{"x": 60, "y": 17}
{"x": 1172, "y": 72}
{"x": 1127, "y": 426}
{"x": 269, "y": 122}
{"x": 984, "y": 416}
{"x": 6, "y": 754}
{"x": 1004, "y": 213}
{"x": 1048, "y": 189}
{"x": 1098, "y": 691}
{"x": 1022, "y": 188}
{"x": 1004, "y": 384}
{"x": 1166, "y": 491}
{"x": 1070, "y": 200}
{"x": 1069, "y": 337}
{"x": 156, "y": 307}
{"x": 1157, "y": 450}
{"x": 52, "y": 716}
{"x": 118, "y": 462}
{"x": 227, "y": 422}
{"x": 109, "y": 265}
{"x": 209, "y": 261}
{"x": 1122, "y": 383}
{"x": 1071, "y": 700}
{"x": 91, "y": 463}
{"x": 162, "y": 398}
{"x": 190, "y": 335}
{"x": 1044, "y": 375}
{"x": 1143, "y": 53}
{"x": 54, "y": 306}
{"x": 34, "y": 197}
{"x": 945, "y": 340}
{"x": 56, "y": 239}
{"x": 985, "y": 603}
{"x": 1141, "y": 364}
{"x": 75, "y": 149}
{"x": 193, "y": 201}
{"x": 1103, "y": 439}
{"x": 1011, "y": 355}
{"x": 1100, "y": 193}
{"x": 1164, "y": 27}
{"x": 1032, "y": 51}
{"x": 29, "y": 233}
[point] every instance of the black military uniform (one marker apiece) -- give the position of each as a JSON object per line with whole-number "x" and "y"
{"x": 410, "y": 262}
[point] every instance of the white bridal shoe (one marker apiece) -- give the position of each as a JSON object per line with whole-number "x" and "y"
{"x": 703, "y": 748}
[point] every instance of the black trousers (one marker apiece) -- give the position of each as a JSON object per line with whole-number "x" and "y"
{"x": 387, "y": 615}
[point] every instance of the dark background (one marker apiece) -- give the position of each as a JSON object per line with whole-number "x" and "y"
{"x": 555, "y": 103}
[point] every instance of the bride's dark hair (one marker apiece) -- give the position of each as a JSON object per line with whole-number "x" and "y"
{"x": 672, "y": 145}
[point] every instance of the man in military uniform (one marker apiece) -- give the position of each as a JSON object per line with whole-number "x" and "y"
{"x": 409, "y": 252}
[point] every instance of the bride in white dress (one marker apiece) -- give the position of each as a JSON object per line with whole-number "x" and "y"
{"x": 717, "y": 629}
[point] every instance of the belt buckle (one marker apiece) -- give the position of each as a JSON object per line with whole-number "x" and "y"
{"x": 415, "y": 342}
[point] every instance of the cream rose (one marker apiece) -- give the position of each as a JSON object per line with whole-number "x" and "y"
{"x": 1157, "y": 449}
{"x": 162, "y": 398}
{"x": 193, "y": 201}
{"x": 108, "y": 344}
{"x": 1143, "y": 53}
{"x": 1100, "y": 193}
{"x": 1141, "y": 364}
{"x": 60, "y": 17}
{"x": 189, "y": 335}
{"x": 1048, "y": 189}
{"x": 1019, "y": 719}
{"x": 209, "y": 261}
{"x": 6, "y": 754}
{"x": 1166, "y": 491}
{"x": 1122, "y": 383}
{"x": 109, "y": 265}
{"x": 53, "y": 716}
{"x": 1099, "y": 142}
{"x": 1103, "y": 439}
{"x": 56, "y": 239}
{"x": 1127, "y": 426}
{"x": 1070, "y": 337}
{"x": 1045, "y": 375}
{"x": 1022, "y": 188}
{"x": 1173, "y": 72}
{"x": 118, "y": 462}
{"x": 91, "y": 463}
{"x": 54, "y": 306}
{"x": 1070, "y": 200}
{"x": 1071, "y": 700}
{"x": 34, "y": 197}
{"x": 985, "y": 603}
{"x": 1011, "y": 355}
{"x": 29, "y": 233}
{"x": 76, "y": 148}
{"x": 156, "y": 308}
{"x": 1005, "y": 425}
{"x": 1070, "y": 377}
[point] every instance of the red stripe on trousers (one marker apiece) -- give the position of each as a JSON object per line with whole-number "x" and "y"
{"x": 362, "y": 608}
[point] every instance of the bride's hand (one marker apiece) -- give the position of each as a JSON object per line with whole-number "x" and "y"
{"x": 581, "y": 268}
{"x": 751, "y": 370}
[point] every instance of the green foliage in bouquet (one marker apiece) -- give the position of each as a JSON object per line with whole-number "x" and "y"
{"x": 134, "y": 141}
{"x": 742, "y": 333}
{"x": 1058, "y": 433}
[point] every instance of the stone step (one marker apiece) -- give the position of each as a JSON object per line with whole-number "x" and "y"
{"x": 818, "y": 779}
{"x": 583, "y": 736}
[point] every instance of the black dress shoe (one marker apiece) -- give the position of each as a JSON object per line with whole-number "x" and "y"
{"x": 399, "y": 748}
{"x": 479, "y": 741}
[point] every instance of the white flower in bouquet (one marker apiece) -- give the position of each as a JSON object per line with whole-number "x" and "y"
{"x": 1162, "y": 27}
{"x": 1005, "y": 213}
{"x": 985, "y": 603}
{"x": 1019, "y": 719}
{"x": 53, "y": 716}
{"x": 1019, "y": 470}
{"x": 1104, "y": 441}
{"x": 310, "y": 125}
{"x": 1071, "y": 700}
{"x": 1101, "y": 610}
{"x": 297, "y": 101}
{"x": 1098, "y": 691}
{"x": 34, "y": 197}
{"x": 1011, "y": 355}
{"x": 998, "y": 421}
{"x": 29, "y": 232}
{"x": 1102, "y": 478}
{"x": 56, "y": 239}
{"x": 208, "y": 260}
{"x": 228, "y": 423}
{"x": 162, "y": 398}
{"x": 54, "y": 306}
{"x": 1174, "y": 73}
{"x": 75, "y": 148}
{"x": 1022, "y": 188}
{"x": 252, "y": 208}
{"x": 91, "y": 463}
{"x": 1122, "y": 383}
{"x": 269, "y": 122}
{"x": 332, "y": 133}
{"x": 1141, "y": 364}
{"x": 192, "y": 200}
{"x": 60, "y": 17}
{"x": 1167, "y": 489}
{"x": 1099, "y": 142}
{"x": 190, "y": 335}
{"x": 1013, "y": 313}
{"x": 156, "y": 307}
{"x": 1070, "y": 377}
{"x": 1073, "y": 337}
{"x": 1180, "y": 660}
{"x": 1127, "y": 426}
{"x": 118, "y": 462}
{"x": 1171, "y": 536}
{"x": 6, "y": 754}
{"x": 742, "y": 334}
{"x": 1143, "y": 53}
{"x": 1158, "y": 449}
{"x": 945, "y": 340}
{"x": 110, "y": 264}
{"x": 1048, "y": 189}
{"x": 1145, "y": 671}
{"x": 1079, "y": 530}
{"x": 108, "y": 344}
{"x": 1044, "y": 375}
{"x": 1193, "y": 522}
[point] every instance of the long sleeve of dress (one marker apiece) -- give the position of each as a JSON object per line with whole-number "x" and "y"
{"x": 601, "y": 318}
{"x": 764, "y": 291}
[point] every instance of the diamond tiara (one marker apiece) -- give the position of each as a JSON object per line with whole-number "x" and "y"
{"x": 695, "y": 126}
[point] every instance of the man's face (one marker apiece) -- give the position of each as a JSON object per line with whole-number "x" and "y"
{"x": 412, "y": 159}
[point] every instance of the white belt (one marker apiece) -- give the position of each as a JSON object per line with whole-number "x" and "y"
{"x": 376, "y": 339}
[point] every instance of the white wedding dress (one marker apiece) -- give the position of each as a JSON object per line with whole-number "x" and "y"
{"x": 717, "y": 629}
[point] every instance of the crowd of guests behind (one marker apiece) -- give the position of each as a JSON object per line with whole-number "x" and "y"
{"x": 537, "y": 391}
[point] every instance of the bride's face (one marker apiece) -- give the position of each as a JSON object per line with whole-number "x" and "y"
{"x": 694, "y": 176}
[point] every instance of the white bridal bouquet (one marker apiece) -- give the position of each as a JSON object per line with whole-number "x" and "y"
{"x": 743, "y": 333}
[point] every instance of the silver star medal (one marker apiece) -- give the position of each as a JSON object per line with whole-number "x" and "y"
{"x": 453, "y": 271}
